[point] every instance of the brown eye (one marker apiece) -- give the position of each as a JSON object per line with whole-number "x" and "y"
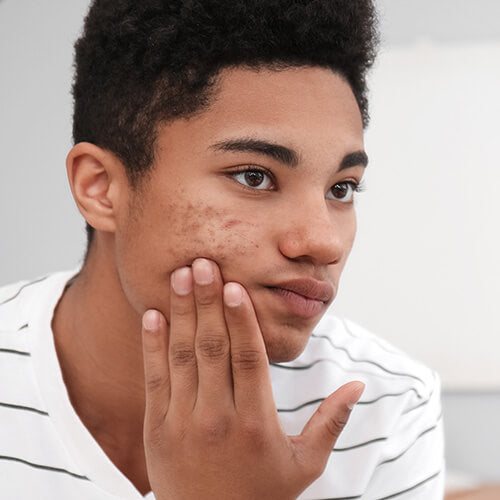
{"x": 340, "y": 190}
{"x": 343, "y": 191}
{"x": 254, "y": 178}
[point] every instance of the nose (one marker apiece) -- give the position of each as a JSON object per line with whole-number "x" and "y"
{"x": 318, "y": 233}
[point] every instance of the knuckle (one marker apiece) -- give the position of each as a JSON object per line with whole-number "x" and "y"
{"x": 216, "y": 429}
{"x": 182, "y": 354}
{"x": 335, "y": 425}
{"x": 247, "y": 359}
{"x": 154, "y": 347}
{"x": 153, "y": 436}
{"x": 155, "y": 433}
{"x": 254, "y": 433}
{"x": 212, "y": 346}
{"x": 155, "y": 383}
{"x": 182, "y": 308}
{"x": 206, "y": 297}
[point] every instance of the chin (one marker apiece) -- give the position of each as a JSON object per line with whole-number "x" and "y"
{"x": 285, "y": 342}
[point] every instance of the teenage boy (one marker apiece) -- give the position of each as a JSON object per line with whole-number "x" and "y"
{"x": 218, "y": 149}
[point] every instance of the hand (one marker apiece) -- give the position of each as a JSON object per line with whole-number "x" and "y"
{"x": 211, "y": 429}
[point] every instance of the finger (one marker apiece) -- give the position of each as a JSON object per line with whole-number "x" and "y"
{"x": 181, "y": 353}
{"x": 215, "y": 387}
{"x": 156, "y": 372}
{"x": 323, "y": 429}
{"x": 249, "y": 362}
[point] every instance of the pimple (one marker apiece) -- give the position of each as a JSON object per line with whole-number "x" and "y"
{"x": 231, "y": 223}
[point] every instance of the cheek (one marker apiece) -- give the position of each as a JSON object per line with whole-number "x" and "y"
{"x": 172, "y": 235}
{"x": 206, "y": 231}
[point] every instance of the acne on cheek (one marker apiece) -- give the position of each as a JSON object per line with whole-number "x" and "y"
{"x": 236, "y": 236}
{"x": 204, "y": 230}
{"x": 231, "y": 223}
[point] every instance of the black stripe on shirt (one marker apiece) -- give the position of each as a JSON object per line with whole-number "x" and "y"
{"x": 390, "y": 496}
{"x": 341, "y": 498}
{"x": 360, "y": 445}
{"x": 14, "y": 351}
{"x": 412, "y": 487}
{"x": 22, "y": 327}
{"x": 385, "y": 438}
{"x": 19, "y": 329}
{"x": 423, "y": 403}
{"x": 401, "y": 374}
{"x": 427, "y": 401}
{"x": 303, "y": 405}
{"x": 374, "y": 340}
{"x": 357, "y": 370}
{"x": 27, "y": 408}
{"x": 423, "y": 433}
{"x": 44, "y": 467}
{"x": 326, "y": 360}
{"x": 388, "y": 395}
{"x": 319, "y": 400}
{"x": 20, "y": 289}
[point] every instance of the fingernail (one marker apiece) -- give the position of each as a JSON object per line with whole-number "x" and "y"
{"x": 182, "y": 281}
{"x": 232, "y": 294}
{"x": 203, "y": 272}
{"x": 151, "y": 320}
{"x": 355, "y": 395}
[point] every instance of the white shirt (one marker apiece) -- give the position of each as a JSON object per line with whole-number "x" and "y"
{"x": 392, "y": 446}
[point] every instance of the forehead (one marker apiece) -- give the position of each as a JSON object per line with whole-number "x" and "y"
{"x": 305, "y": 108}
{"x": 261, "y": 93}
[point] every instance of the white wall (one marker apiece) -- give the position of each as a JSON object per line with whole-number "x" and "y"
{"x": 424, "y": 272}
{"x": 40, "y": 227}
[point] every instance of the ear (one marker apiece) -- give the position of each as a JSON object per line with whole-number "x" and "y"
{"x": 98, "y": 183}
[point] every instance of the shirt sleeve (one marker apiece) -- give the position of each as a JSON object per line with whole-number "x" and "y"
{"x": 411, "y": 465}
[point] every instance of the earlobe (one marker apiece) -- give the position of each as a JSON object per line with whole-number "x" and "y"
{"x": 93, "y": 175}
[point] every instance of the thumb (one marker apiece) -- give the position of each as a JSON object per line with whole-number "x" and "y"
{"x": 323, "y": 429}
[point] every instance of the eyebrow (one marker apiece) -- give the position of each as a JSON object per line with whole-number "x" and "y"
{"x": 280, "y": 153}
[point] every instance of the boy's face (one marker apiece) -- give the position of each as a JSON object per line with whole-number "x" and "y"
{"x": 291, "y": 224}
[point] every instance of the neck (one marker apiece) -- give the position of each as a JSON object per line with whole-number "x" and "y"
{"x": 98, "y": 342}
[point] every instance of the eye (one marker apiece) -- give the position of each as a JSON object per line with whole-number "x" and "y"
{"x": 253, "y": 178}
{"x": 344, "y": 191}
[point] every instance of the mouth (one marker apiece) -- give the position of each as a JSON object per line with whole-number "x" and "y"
{"x": 305, "y": 298}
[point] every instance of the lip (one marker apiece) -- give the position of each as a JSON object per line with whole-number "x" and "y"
{"x": 303, "y": 297}
{"x": 308, "y": 288}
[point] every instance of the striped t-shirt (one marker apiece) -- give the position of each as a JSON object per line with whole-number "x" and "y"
{"x": 392, "y": 446}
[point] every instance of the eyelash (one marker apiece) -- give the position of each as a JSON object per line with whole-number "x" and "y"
{"x": 357, "y": 187}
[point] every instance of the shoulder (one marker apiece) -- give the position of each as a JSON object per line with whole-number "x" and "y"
{"x": 19, "y": 399}
{"x": 394, "y": 437}
{"x": 20, "y": 300}
{"x": 402, "y": 390}
{"x": 401, "y": 398}
{"x": 16, "y": 299}
{"x": 358, "y": 348}
{"x": 353, "y": 352}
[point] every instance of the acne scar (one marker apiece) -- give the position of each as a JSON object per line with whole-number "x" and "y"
{"x": 231, "y": 223}
{"x": 210, "y": 231}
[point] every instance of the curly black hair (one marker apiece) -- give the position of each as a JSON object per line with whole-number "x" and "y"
{"x": 139, "y": 63}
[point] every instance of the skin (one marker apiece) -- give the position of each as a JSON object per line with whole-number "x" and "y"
{"x": 190, "y": 208}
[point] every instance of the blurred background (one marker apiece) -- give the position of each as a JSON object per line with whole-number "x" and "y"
{"x": 425, "y": 269}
